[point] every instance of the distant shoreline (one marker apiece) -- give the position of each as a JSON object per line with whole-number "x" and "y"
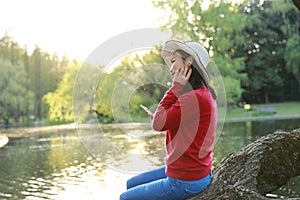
{"x": 29, "y": 131}
{"x": 262, "y": 118}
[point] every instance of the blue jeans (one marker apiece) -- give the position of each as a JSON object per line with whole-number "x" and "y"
{"x": 156, "y": 185}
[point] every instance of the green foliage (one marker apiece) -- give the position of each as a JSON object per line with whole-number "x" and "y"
{"x": 14, "y": 94}
{"x": 292, "y": 57}
{"x": 40, "y": 74}
{"x": 232, "y": 90}
{"x": 60, "y": 101}
{"x": 44, "y": 72}
{"x": 84, "y": 91}
{"x": 136, "y": 80}
{"x": 10, "y": 50}
{"x": 270, "y": 51}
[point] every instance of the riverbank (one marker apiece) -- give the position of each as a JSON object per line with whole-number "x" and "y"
{"x": 286, "y": 110}
{"x": 23, "y": 132}
{"x": 27, "y": 131}
{"x": 261, "y": 118}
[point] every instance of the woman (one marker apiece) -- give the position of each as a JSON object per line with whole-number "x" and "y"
{"x": 187, "y": 113}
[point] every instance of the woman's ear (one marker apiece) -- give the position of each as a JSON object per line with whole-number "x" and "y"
{"x": 189, "y": 61}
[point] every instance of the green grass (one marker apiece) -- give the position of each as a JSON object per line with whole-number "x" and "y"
{"x": 286, "y": 108}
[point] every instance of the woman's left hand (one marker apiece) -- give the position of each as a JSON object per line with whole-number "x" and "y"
{"x": 150, "y": 115}
{"x": 182, "y": 75}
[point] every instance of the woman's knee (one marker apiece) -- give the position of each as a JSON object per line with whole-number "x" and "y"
{"x": 131, "y": 183}
{"x": 122, "y": 197}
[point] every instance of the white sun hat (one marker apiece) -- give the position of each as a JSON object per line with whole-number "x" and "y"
{"x": 197, "y": 51}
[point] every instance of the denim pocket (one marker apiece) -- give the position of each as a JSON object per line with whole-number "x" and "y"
{"x": 177, "y": 189}
{"x": 196, "y": 188}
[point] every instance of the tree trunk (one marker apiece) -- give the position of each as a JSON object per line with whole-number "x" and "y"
{"x": 266, "y": 94}
{"x": 257, "y": 169}
{"x": 297, "y": 3}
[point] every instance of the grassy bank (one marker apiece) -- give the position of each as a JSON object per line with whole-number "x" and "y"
{"x": 282, "y": 109}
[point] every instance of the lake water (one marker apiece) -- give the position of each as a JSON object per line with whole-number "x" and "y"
{"x": 92, "y": 164}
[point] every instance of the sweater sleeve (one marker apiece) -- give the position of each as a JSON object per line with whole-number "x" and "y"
{"x": 173, "y": 109}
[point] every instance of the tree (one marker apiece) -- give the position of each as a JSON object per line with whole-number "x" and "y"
{"x": 95, "y": 89}
{"x": 42, "y": 73}
{"x": 60, "y": 100}
{"x": 10, "y": 50}
{"x": 152, "y": 80}
{"x": 292, "y": 56}
{"x": 13, "y": 90}
{"x": 45, "y": 72}
{"x": 293, "y": 42}
{"x": 136, "y": 80}
{"x": 257, "y": 169}
{"x": 271, "y": 24}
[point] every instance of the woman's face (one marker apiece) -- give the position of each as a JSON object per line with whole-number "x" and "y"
{"x": 177, "y": 63}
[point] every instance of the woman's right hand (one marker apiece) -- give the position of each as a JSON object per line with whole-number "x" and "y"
{"x": 182, "y": 75}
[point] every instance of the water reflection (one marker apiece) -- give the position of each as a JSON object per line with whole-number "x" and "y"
{"x": 133, "y": 150}
{"x": 54, "y": 167}
{"x": 58, "y": 166}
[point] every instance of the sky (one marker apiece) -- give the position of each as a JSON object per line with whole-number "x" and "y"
{"x": 74, "y": 28}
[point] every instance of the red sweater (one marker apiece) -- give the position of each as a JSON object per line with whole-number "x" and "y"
{"x": 189, "y": 120}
